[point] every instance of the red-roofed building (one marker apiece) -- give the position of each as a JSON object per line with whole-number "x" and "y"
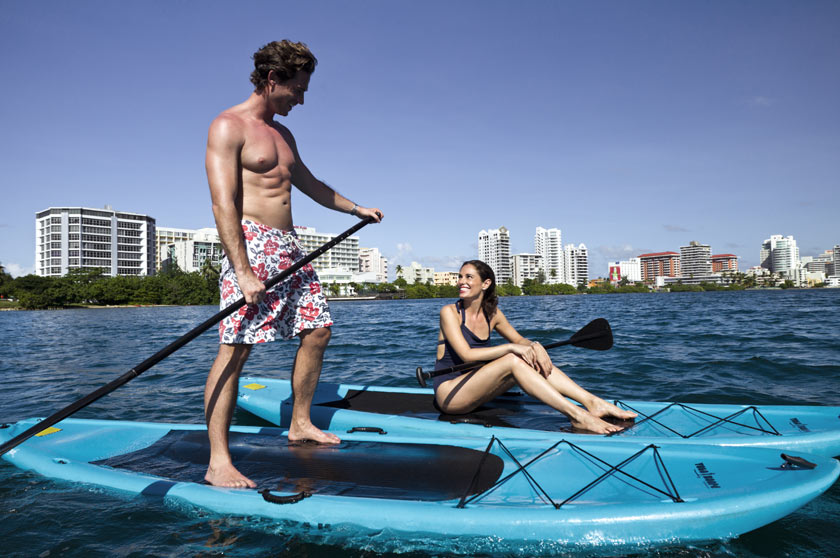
{"x": 659, "y": 264}
{"x": 724, "y": 262}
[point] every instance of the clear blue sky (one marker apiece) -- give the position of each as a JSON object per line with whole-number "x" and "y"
{"x": 632, "y": 126}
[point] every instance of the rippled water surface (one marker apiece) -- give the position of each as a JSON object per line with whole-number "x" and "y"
{"x": 775, "y": 347}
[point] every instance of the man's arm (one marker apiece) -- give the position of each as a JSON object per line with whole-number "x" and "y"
{"x": 224, "y": 146}
{"x": 306, "y": 182}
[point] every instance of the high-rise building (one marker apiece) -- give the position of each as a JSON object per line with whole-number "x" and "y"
{"x": 576, "y": 260}
{"x": 779, "y": 254}
{"x": 494, "y": 250}
{"x": 190, "y": 255}
{"x": 548, "y": 243}
{"x": 526, "y": 266}
{"x": 659, "y": 264}
{"x": 372, "y": 261}
{"x": 67, "y": 238}
{"x": 724, "y": 262}
{"x": 164, "y": 236}
{"x": 343, "y": 256}
{"x": 695, "y": 260}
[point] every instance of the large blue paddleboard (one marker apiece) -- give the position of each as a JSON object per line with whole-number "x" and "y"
{"x": 809, "y": 429}
{"x": 437, "y": 490}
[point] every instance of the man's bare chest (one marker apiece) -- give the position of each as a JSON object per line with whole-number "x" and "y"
{"x": 267, "y": 151}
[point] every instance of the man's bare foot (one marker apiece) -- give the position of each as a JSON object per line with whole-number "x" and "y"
{"x": 311, "y": 432}
{"x": 588, "y": 422}
{"x": 228, "y": 476}
{"x": 601, "y": 409}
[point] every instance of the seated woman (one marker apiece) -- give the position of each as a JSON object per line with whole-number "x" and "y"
{"x": 464, "y": 337}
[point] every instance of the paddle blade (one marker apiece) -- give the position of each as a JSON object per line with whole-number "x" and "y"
{"x": 596, "y": 335}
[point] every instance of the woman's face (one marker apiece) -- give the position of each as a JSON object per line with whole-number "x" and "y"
{"x": 470, "y": 284}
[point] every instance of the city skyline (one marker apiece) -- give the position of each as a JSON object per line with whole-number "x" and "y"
{"x": 632, "y": 127}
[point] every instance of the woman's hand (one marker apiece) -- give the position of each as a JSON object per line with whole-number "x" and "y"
{"x": 526, "y": 353}
{"x": 544, "y": 364}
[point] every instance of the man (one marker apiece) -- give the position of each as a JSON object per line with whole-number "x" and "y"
{"x": 252, "y": 162}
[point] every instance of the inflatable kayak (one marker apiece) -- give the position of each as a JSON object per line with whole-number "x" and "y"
{"x": 491, "y": 492}
{"x": 806, "y": 429}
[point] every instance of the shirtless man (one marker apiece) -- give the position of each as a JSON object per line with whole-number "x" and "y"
{"x": 252, "y": 162}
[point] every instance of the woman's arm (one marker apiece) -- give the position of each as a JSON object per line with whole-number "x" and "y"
{"x": 542, "y": 361}
{"x": 450, "y": 324}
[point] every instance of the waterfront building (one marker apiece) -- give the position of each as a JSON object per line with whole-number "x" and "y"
{"x": 548, "y": 243}
{"x": 371, "y": 260}
{"x": 446, "y": 278}
{"x": 630, "y": 269}
{"x": 576, "y": 260}
{"x": 724, "y": 262}
{"x": 190, "y": 255}
{"x": 117, "y": 242}
{"x": 416, "y": 273}
{"x": 695, "y": 260}
{"x": 164, "y": 236}
{"x": 345, "y": 255}
{"x": 527, "y": 266}
{"x": 659, "y": 264}
{"x": 494, "y": 250}
{"x": 779, "y": 254}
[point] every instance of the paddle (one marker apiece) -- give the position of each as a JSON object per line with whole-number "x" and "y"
{"x": 596, "y": 335}
{"x": 172, "y": 347}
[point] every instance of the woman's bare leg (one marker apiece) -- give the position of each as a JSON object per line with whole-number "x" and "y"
{"x": 597, "y": 406}
{"x": 465, "y": 393}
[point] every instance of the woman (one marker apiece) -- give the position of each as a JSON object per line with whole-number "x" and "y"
{"x": 464, "y": 337}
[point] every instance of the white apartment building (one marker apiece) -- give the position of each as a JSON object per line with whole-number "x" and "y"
{"x": 494, "y": 250}
{"x": 371, "y": 260}
{"x": 695, "y": 260}
{"x": 344, "y": 256}
{"x": 416, "y": 273}
{"x": 190, "y": 255}
{"x": 548, "y": 243}
{"x": 628, "y": 269}
{"x": 527, "y": 266}
{"x": 779, "y": 254}
{"x": 446, "y": 278}
{"x": 576, "y": 261}
{"x": 164, "y": 236}
{"x": 84, "y": 238}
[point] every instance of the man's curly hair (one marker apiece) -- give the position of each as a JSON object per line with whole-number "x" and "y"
{"x": 285, "y": 58}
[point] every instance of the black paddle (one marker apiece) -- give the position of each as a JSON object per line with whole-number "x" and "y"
{"x": 172, "y": 347}
{"x": 596, "y": 335}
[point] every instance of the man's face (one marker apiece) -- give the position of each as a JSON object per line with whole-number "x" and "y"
{"x": 286, "y": 94}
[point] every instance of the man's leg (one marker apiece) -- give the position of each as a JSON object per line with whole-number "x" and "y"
{"x": 219, "y": 402}
{"x": 305, "y": 374}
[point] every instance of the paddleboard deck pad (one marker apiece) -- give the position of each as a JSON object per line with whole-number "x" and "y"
{"x": 807, "y": 429}
{"x": 426, "y": 491}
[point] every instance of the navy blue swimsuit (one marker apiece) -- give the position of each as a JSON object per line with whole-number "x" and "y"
{"x": 450, "y": 357}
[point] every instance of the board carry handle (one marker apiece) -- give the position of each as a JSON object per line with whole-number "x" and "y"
{"x": 290, "y": 499}
{"x": 375, "y": 429}
{"x": 796, "y": 462}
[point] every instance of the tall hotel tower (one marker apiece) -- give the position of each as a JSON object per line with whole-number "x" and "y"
{"x": 548, "y": 243}
{"x": 779, "y": 254}
{"x": 83, "y": 238}
{"x": 494, "y": 250}
{"x": 576, "y": 259}
{"x": 695, "y": 260}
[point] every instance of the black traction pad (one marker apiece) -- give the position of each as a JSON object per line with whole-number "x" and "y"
{"x": 361, "y": 469}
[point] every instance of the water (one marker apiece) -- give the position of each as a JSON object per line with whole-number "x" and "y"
{"x": 772, "y": 347}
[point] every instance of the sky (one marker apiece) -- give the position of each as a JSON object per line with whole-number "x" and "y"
{"x": 632, "y": 126}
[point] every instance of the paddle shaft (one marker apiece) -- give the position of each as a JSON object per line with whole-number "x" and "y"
{"x": 172, "y": 347}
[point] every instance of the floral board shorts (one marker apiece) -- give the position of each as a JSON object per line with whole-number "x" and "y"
{"x": 293, "y": 305}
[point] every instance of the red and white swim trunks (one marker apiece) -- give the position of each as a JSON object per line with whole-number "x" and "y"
{"x": 295, "y": 304}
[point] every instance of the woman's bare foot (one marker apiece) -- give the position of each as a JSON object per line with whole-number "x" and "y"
{"x": 228, "y": 476}
{"x": 311, "y": 432}
{"x": 601, "y": 409}
{"x": 588, "y": 422}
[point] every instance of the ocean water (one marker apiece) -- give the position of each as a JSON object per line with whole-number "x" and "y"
{"x": 772, "y": 347}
